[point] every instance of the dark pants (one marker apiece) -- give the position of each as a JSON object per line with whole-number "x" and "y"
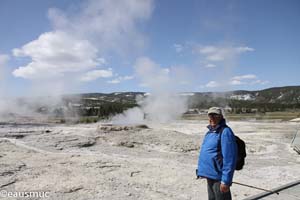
{"x": 214, "y": 193}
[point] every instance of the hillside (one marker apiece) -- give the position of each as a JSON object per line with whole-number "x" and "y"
{"x": 101, "y": 105}
{"x": 271, "y": 99}
{"x": 282, "y": 95}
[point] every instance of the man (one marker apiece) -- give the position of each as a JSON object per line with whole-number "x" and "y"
{"x": 217, "y": 159}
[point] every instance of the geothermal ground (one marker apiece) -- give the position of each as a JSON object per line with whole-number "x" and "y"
{"x": 157, "y": 161}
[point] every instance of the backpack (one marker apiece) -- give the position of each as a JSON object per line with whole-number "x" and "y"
{"x": 241, "y": 149}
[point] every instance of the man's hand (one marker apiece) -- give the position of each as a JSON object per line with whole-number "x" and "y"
{"x": 224, "y": 188}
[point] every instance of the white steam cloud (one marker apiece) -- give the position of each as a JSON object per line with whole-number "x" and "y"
{"x": 108, "y": 24}
{"x": 3, "y": 61}
{"x": 164, "y": 103}
{"x": 3, "y": 85}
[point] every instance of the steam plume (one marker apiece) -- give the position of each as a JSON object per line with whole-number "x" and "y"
{"x": 164, "y": 103}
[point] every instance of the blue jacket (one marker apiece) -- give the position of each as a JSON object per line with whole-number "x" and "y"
{"x": 217, "y": 158}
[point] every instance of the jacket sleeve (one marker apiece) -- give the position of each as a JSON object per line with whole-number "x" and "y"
{"x": 229, "y": 154}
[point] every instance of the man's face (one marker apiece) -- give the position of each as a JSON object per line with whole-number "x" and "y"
{"x": 214, "y": 119}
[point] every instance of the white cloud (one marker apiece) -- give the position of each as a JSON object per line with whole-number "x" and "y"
{"x": 98, "y": 27}
{"x": 208, "y": 49}
{"x": 209, "y": 65}
{"x": 243, "y": 77}
{"x": 127, "y": 77}
{"x": 165, "y": 71}
{"x": 114, "y": 81}
{"x": 101, "y": 61}
{"x": 260, "y": 82}
{"x": 220, "y": 53}
{"x": 212, "y": 84}
{"x": 95, "y": 74}
{"x": 248, "y": 79}
{"x": 236, "y": 82}
{"x": 244, "y": 49}
{"x": 119, "y": 79}
{"x": 178, "y": 48}
{"x": 56, "y": 53}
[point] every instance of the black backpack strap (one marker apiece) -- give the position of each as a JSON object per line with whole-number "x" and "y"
{"x": 220, "y": 131}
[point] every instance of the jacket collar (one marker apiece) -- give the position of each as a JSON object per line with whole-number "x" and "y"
{"x": 221, "y": 124}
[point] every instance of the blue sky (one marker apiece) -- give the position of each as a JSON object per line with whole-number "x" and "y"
{"x": 72, "y": 46}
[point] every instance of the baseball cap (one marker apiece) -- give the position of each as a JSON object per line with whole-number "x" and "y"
{"x": 215, "y": 110}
